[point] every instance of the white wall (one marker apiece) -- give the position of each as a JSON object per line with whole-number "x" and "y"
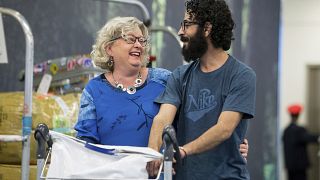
{"x": 300, "y": 48}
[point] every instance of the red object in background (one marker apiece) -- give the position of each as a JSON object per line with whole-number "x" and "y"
{"x": 295, "y": 109}
{"x": 152, "y": 58}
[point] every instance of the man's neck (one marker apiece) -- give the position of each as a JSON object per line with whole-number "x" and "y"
{"x": 213, "y": 59}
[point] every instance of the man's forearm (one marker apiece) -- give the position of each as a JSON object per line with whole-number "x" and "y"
{"x": 155, "y": 139}
{"x": 210, "y": 139}
{"x": 165, "y": 116}
{"x": 215, "y": 135}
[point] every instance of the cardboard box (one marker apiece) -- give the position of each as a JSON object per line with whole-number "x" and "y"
{"x": 60, "y": 113}
{"x": 57, "y": 112}
{"x": 11, "y": 152}
{"x": 13, "y": 172}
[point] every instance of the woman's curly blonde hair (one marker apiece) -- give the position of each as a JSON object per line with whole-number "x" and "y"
{"x": 112, "y": 29}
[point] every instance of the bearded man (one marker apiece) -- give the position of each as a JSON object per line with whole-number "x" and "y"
{"x": 214, "y": 96}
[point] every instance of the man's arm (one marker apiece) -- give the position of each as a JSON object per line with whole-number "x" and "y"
{"x": 164, "y": 117}
{"x": 227, "y": 122}
{"x": 307, "y": 137}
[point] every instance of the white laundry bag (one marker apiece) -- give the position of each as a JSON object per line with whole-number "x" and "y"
{"x": 72, "y": 158}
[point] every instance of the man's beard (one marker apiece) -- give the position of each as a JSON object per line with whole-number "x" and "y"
{"x": 197, "y": 46}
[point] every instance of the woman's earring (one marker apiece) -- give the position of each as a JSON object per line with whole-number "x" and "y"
{"x": 110, "y": 62}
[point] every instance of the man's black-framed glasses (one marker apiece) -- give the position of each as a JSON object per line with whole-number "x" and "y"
{"x": 185, "y": 24}
{"x": 130, "y": 39}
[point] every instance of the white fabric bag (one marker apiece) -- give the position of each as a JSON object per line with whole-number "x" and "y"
{"x": 71, "y": 158}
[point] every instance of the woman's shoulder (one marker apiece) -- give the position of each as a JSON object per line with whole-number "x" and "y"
{"x": 159, "y": 75}
{"x": 159, "y": 71}
{"x": 94, "y": 82}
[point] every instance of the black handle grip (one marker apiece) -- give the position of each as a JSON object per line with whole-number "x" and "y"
{"x": 43, "y": 137}
{"x": 169, "y": 139}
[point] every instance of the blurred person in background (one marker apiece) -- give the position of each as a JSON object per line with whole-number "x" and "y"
{"x": 295, "y": 140}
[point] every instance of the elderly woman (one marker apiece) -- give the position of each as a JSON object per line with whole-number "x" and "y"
{"x": 117, "y": 107}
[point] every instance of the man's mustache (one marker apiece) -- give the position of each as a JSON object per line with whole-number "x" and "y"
{"x": 184, "y": 39}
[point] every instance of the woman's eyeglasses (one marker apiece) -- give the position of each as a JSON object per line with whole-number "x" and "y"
{"x": 130, "y": 39}
{"x": 185, "y": 24}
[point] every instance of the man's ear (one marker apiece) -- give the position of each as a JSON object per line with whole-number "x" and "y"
{"x": 207, "y": 29}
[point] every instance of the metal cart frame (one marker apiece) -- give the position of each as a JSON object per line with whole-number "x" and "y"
{"x": 27, "y": 113}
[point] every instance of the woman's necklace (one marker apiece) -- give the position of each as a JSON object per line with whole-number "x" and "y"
{"x": 129, "y": 89}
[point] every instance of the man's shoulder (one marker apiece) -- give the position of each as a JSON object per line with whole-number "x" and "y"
{"x": 182, "y": 69}
{"x": 295, "y": 127}
{"x": 241, "y": 67}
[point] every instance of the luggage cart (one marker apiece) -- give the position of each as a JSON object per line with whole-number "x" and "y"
{"x": 43, "y": 137}
{"x": 27, "y": 112}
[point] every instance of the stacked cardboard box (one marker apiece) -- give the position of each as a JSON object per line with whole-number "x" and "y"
{"x": 58, "y": 112}
{"x": 13, "y": 172}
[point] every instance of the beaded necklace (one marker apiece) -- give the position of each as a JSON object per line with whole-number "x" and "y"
{"x": 129, "y": 89}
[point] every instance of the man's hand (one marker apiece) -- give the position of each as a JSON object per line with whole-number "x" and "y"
{"x": 153, "y": 168}
{"x": 244, "y": 149}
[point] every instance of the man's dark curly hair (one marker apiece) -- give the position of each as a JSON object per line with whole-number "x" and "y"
{"x": 218, "y": 14}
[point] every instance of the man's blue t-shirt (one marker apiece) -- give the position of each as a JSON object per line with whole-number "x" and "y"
{"x": 113, "y": 117}
{"x": 202, "y": 97}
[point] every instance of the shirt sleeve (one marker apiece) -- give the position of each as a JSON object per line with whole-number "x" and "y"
{"x": 86, "y": 126}
{"x": 172, "y": 93}
{"x": 242, "y": 94}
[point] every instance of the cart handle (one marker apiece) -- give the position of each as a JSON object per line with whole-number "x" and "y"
{"x": 170, "y": 142}
{"x": 43, "y": 137}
